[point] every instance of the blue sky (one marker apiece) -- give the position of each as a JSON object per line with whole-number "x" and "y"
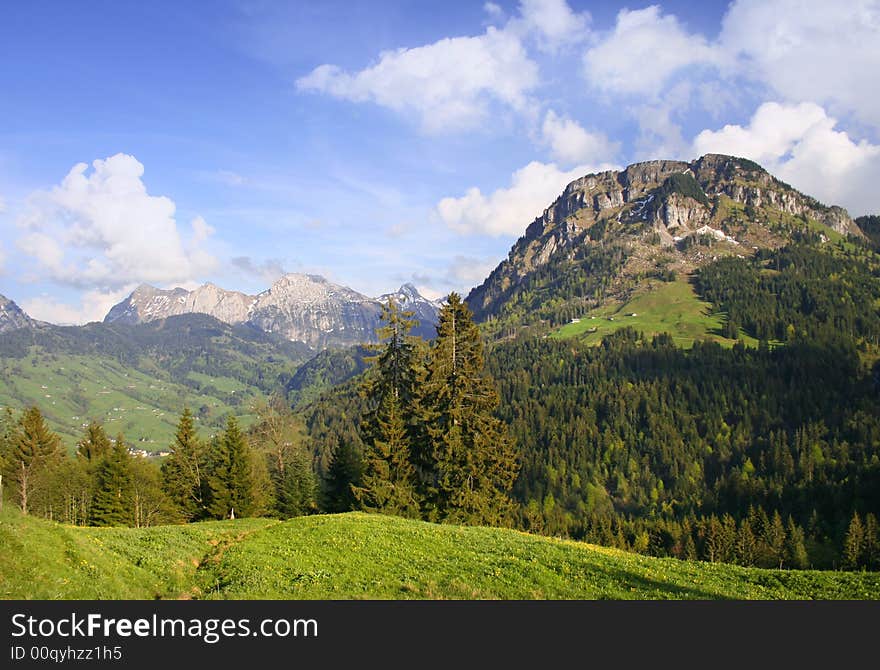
{"x": 377, "y": 143}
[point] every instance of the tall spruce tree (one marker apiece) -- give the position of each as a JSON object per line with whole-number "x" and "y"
{"x": 388, "y": 483}
{"x": 34, "y": 449}
{"x": 113, "y": 502}
{"x": 233, "y": 486}
{"x": 468, "y": 465}
{"x": 343, "y": 476}
{"x": 184, "y": 473}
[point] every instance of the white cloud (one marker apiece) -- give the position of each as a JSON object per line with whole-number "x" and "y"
{"x": 448, "y": 84}
{"x": 643, "y": 51}
{"x": 201, "y": 230}
{"x": 799, "y": 144}
{"x": 102, "y": 229}
{"x": 493, "y": 10}
{"x": 660, "y": 136}
{"x": 570, "y": 143}
{"x": 507, "y": 211}
{"x": 810, "y": 50}
{"x": 2, "y": 205}
{"x": 466, "y": 271}
{"x": 93, "y": 306}
{"x": 554, "y": 21}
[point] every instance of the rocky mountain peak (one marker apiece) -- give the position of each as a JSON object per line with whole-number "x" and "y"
{"x": 13, "y": 317}
{"x": 653, "y": 211}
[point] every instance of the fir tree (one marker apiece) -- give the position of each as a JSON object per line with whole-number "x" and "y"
{"x": 388, "y": 479}
{"x": 795, "y": 550}
{"x": 746, "y": 544}
{"x": 854, "y": 543}
{"x": 93, "y": 445}
{"x": 112, "y": 504}
{"x": 872, "y": 543}
{"x": 296, "y": 488}
{"x": 184, "y": 473}
{"x": 33, "y": 451}
{"x": 469, "y": 465}
{"x": 234, "y": 489}
{"x": 774, "y": 538}
{"x": 344, "y": 475}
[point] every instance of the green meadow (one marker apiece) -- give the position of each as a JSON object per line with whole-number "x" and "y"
{"x": 356, "y": 555}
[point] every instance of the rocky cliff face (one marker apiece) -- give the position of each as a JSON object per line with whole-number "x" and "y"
{"x": 13, "y": 317}
{"x": 310, "y": 309}
{"x": 302, "y": 308}
{"x": 655, "y": 207}
{"x": 148, "y": 303}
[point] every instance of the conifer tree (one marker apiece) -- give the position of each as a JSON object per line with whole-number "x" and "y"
{"x": 234, "y": 489}
{"x": 184, "y": 473}
{"x": 853, "y": 544}
{"x": 343, "y": 476}
{"x": 871, "y": 543}
{"x": 112, "y": 504}
{"x": 469, "y": 465}
{"x": 93, "y": 445}
{"x": 33, "y": 451}
{"x": 774, "y": 538}
{"x": 388, "y": 480}
{"x": 795, "y": 549}
{"x": 746, "y": 544}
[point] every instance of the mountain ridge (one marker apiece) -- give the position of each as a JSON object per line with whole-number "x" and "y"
{"x": 300, "y": 307}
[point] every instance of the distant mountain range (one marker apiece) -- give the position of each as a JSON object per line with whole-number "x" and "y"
{"x": 299, "y": 307}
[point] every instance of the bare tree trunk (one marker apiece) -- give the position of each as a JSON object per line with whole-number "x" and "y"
{"x": 23, "y": 488}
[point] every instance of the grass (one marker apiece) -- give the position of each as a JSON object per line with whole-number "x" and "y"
{"x": 662, "y": 307}
{"x": 71, "y": 389}
{"x": 351, "y": 556}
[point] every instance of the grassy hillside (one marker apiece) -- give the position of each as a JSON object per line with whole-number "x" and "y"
{"x": 661, "y": 307}
{"x": 137, "y": 379}
{"x": 72, "y": 389}
{"x": 356, "y": 555}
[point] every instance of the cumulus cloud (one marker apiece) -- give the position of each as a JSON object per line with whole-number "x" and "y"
{"x": 810, "y": 50}
{"x": 467, "y": 271}
{"x": 801, "y": 145}
{"x": 507, "y": 211}
{"x": 102, "y": 229}
{"x": 448, "y": 84}
{"x": 570, "y": 143}
{"x": 643, "y": 51}
{"x": 553, "y": 21}
{"x": 93, "y": 306}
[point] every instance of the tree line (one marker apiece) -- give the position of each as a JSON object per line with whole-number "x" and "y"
{"x": 235, "y": 473}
